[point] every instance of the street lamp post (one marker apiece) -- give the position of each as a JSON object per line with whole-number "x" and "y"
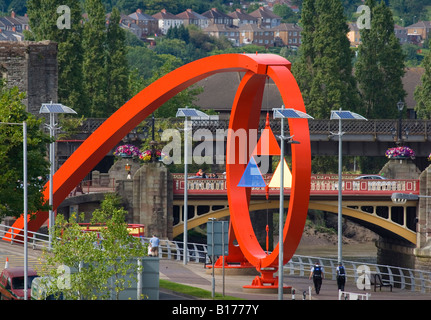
{"x": 401, "y": 198}
{"x": 52, "y": 109}
{"x": 400, "y": 107}
{"x": 282, "y": 114}
{"x": 341, "y": 115}
{"x": 195, "y": 114}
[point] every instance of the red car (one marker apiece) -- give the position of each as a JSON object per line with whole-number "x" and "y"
{"x": 12, "y": 283}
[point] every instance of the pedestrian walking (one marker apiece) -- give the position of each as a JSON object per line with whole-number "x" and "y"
{"x": 341, "y": 276}
{"x": 154, "y": 242}
{"x": 317, "y": 273}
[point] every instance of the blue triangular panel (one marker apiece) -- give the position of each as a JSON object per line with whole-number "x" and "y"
{"x": 252, "y": 176}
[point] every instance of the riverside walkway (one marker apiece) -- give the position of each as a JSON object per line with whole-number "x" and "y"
{"x": 196, "y": 275}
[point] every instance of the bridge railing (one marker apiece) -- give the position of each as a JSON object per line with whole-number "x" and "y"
{"x": 93, "y": 186}
{"x": 320, "y": 184}
{"x": 372, "y": 127}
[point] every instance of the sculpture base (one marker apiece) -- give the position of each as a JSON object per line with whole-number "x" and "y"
{"x": 266, "y": 283}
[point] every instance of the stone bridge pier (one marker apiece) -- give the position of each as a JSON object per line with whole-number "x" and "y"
{"x": 422, "y": 251}
{"x": 147, "y": 195}
{"x": 400, "y": 253}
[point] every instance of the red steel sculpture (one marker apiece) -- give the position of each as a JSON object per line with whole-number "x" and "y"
{"x": 245, "y": 115}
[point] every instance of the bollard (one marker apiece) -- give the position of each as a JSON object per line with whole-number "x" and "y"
{"x": 293, "y": 294}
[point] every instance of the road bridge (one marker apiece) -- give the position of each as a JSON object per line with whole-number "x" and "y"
{"x": 368, "y": 202}
{"x": 361, "y": 138}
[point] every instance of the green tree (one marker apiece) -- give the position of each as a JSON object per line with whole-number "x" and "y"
{"x": 324, "y": 67}
{"x": 117, "y": 91}
{"x": 423, "y": 90}
{"x": 98, "y": 266}
{"x": 287, "y": 14}
{"x": 94, "y": 71}
{"x": 380, "y": 65}
{"x": 43, "y": 17}
{"x": 12, "y": 110}
{"x": 410, "y": 12}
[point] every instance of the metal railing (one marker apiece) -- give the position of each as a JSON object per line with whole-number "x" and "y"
{"x": 93, "y": 186}
{"x": 196, "y": 252}
{"x": 15, "y": 235}
{"x": 402, "y": 278}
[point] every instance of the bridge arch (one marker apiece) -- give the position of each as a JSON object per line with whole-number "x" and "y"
{"x": 377, "y": 224}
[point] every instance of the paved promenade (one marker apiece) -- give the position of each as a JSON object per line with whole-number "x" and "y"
{"x": 195, "y": 275}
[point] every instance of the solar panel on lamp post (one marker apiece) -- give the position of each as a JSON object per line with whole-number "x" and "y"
{"x": 282, "y": 113}
{"x": 341, "y": 115}
{"x": 193, "y": 114}
{"x": 52, "y": 109}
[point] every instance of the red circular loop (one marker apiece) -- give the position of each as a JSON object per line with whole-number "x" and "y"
{"x": 245, "y": 115}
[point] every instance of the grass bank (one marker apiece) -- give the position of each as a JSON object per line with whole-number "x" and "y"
{"x": 193, "y": 291}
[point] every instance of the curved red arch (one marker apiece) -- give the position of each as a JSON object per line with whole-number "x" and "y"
{"x": 245, "y": 115}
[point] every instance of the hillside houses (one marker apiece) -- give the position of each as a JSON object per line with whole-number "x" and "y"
{"x": 260, "y": 27}
{"x": 239, "y": 18}
{"x": 167, "y": 20}
{"x": 415, "y": 34}
{"x": 12, "y": 27}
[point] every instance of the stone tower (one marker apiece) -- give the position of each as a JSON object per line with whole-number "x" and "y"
{"x": 32, "y": 67}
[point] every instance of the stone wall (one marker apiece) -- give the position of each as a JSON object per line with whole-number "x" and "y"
{"x": 32, "y": 67}
{"x": 423, "y": 250}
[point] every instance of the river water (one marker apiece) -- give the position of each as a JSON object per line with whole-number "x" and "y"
{"x": 360, "y": 252}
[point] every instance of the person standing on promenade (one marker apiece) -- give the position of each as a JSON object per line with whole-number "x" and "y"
{"x": 154, "y": 242}
{"x": 341, "y": 276}
{"x": 317, "y": 273}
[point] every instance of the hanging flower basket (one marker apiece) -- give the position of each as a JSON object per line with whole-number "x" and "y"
{"x": 127, "y": 151}
{"x": 400, "y": 153}
{"x": 146, "y": 155}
